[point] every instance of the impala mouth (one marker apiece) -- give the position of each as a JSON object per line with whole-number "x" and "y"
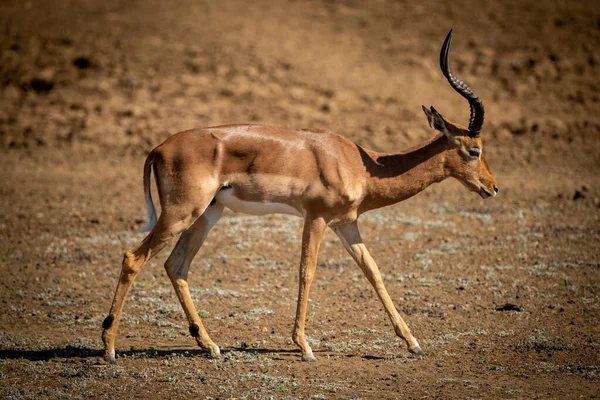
{"x": 484, "y": 193}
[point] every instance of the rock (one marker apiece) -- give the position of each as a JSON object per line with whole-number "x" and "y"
{"x": 226, "y": 92}
{"x": 82, "y": 62}
{"x": 41, "y": 85}
{"x": 509, "y": 307}
{"x": 578, "y": 195}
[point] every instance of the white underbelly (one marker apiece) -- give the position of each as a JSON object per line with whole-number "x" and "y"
{"x": 226, "y": 197}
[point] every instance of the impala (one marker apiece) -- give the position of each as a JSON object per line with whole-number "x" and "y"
{"x": 314, "y": 174}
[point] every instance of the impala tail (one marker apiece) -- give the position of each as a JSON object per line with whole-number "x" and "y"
{"x": 150, "y": 210}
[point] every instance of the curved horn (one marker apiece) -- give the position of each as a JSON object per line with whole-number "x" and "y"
{"x": 477, "y": 110}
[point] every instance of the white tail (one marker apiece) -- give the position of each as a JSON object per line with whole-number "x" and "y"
{"x": 150, "y": 209}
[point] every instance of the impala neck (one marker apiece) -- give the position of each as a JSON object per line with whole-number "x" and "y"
{"x": 396, "y": 177}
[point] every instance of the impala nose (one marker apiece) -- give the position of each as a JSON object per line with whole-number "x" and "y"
{"x": 496, "y": 189}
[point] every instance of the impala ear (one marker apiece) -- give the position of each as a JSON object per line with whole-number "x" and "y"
{"x": 436, "y": 121}
{"x": 429, "y": 115}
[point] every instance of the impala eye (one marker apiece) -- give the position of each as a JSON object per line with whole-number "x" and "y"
{"x": 474, "y": 153}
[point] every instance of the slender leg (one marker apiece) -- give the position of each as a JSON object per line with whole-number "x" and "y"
{"x": 177, "y": 266}
{"x": 166, "y": 227}
{"x": 311, "y": 241}
{"x": 350, "y": 237}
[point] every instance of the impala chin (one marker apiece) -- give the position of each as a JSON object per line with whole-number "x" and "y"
{"x": 485, "y": 194}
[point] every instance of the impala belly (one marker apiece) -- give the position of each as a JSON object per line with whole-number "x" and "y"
{"x": 227, "y": 198}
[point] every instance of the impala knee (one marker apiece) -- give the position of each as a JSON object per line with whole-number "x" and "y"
{"x": 174, "y": 270}
{"x": 131, "y": 264}
{"x": 169, "y": 266}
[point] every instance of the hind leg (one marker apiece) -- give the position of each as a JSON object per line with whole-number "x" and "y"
{"x": 168, "y": 225}
{"x": 177, "y": 267}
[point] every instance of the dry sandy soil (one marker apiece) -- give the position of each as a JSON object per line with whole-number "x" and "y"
{"x": 87, "y": 88}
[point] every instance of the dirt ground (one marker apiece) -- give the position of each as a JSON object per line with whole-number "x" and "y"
{"x": 503, "y": 294}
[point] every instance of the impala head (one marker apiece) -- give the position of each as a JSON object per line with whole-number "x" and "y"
{"x": 465, "y": 160}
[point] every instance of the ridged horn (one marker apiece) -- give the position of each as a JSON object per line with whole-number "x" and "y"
{"x": 477, "y": 110}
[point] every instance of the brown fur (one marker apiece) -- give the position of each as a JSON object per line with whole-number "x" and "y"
{"x": 320, "y": 174}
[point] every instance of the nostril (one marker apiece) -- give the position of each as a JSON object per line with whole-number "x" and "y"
{"x": 496, "y": 189}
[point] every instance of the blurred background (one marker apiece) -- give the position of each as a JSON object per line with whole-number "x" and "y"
{"x": 503, "y": 295}
{"x": 123, "y": 75}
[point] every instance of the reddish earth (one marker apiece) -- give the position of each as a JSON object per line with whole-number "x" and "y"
{"x": 502, "y": 294}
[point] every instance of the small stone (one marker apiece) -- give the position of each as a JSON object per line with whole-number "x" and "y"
{"x": 82, "y": 62}
{"x": 41, "y": 85}
{"x": 508, "y": 307}
{"x": 578, "y": 195}
{"x": 43, "y": 82}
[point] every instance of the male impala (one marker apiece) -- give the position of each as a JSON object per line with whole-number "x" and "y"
{"x": 317, "y": 175}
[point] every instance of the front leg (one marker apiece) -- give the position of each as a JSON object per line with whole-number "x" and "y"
{"x": 311, "y": 241}
{"x": 350, "y": 237}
